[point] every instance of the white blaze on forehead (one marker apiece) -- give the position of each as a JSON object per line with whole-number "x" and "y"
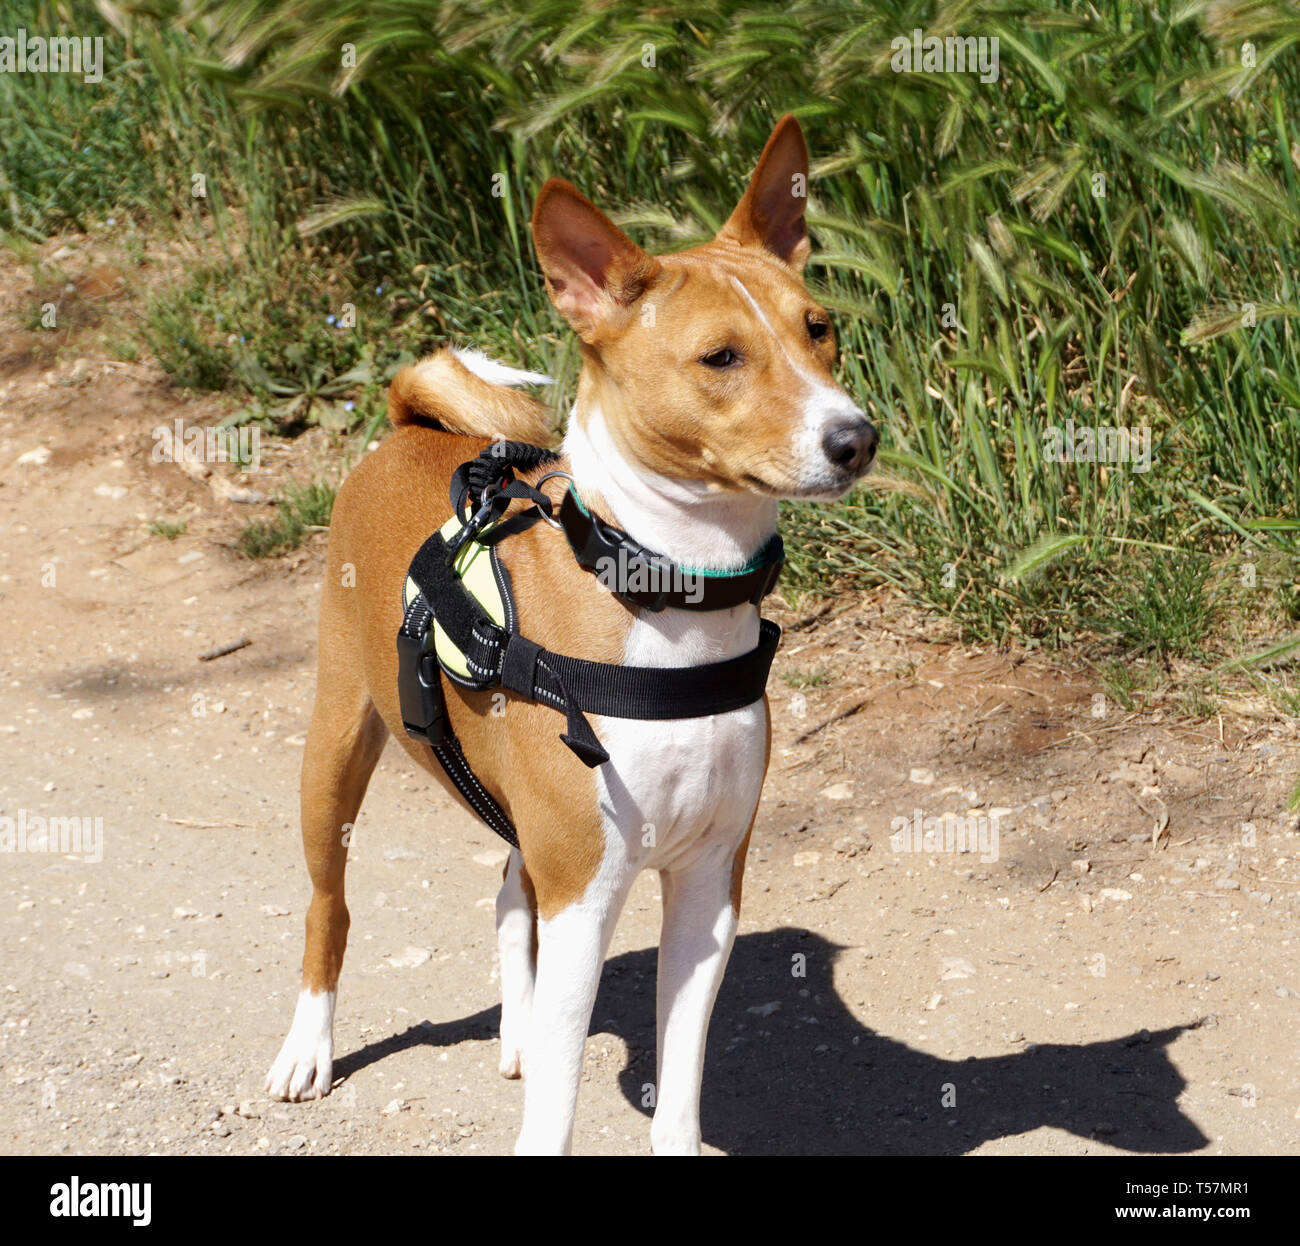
{"x": 824, "y": 405}
{"x": 828, "y": 398}
{"x": 807, "y": 376}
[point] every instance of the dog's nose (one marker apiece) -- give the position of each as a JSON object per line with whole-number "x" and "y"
{"x": 851, "y": 447}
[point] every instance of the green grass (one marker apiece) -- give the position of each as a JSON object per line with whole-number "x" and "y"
{"x": 806, "y": 679}
{"x": 984, "y": 290}
{"x": 177, "y": 338}
{"x": 301, "y": 509}
{"x": 1164, "y": 607}
{"x": 126, "y": 349}
{"x": 1117, "y": 678}
{"x": 284, "y": 338}
{"x": 167, "y": 530}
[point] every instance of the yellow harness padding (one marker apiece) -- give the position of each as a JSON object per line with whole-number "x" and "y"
{"x": 474, "y": 566}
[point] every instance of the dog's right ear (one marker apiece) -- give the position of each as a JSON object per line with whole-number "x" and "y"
{"x": 594, "y": 272}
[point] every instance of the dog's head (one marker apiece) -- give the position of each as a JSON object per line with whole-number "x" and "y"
{"x": 712, "y": 364}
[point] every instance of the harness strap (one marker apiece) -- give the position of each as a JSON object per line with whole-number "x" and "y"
{"x": 457, "y": 769}
{"x": 654, "y": 693}
{"x": 424, "y": 715}
{"x": 574, "y": 685}
{"x": 496, "y": 656}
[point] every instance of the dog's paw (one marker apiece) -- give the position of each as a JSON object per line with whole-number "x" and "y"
{"x": 305, "y": 1066}
{"x": 298, "y": 1075}
{"x": 512, "y": 1060}
{"x": 674, "y": 1137}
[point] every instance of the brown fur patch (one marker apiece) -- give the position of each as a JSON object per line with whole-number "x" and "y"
{"x": 384, "y": 512}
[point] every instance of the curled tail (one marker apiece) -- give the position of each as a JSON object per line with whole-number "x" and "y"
{"x": 463, "y": 391}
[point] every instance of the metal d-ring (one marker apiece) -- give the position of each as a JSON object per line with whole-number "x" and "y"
{"x": 550, "y": 519}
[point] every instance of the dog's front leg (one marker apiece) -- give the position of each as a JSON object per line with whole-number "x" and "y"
{"x": 571, "y": 949}
{"x": 699, "y": 927}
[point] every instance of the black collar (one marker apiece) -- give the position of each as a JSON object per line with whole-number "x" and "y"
{"x": 639, "y": 577}
{"x": 635, "y": 575}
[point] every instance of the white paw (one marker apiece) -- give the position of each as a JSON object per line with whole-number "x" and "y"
{"x": 305, "y": 1066}
{"x": 513, "y": 1033}
{"x": 512, "y": 1060}
{"x": 675, "y": 1139}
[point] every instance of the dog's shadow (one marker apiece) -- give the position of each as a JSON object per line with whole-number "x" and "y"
{"x": 790, "y": 1071}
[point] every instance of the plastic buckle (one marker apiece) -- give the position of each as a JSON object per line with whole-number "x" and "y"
{"x": 659, "y": 601}
{"x": 419, "y": 691}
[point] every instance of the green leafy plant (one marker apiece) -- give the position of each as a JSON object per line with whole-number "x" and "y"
{"x": 1106, "y": 236}
{"x": 302, "y": 509}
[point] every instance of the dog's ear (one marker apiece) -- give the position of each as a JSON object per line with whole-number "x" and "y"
{"x": 594, "y": 272}
{"x": 771, "y": 213}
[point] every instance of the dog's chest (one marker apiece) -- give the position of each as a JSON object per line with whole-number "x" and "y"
{"x": 673, "y": 786}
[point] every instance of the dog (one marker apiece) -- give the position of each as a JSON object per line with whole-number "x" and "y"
{"x": 706, "y": 395}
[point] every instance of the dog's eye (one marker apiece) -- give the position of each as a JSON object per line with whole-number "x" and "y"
{"x": 723, "y": 358}
{"x": 818, "y": 329}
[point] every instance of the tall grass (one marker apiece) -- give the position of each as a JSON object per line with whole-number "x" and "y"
{"x": 1107, "y": 234}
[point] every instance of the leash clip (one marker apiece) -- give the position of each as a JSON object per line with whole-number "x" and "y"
{"x": 473, "y": 526}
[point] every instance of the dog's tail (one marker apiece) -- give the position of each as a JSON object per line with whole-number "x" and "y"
{"x": 463, "y": 391}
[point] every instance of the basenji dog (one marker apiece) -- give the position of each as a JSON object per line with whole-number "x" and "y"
{"x": 706, "y": 395}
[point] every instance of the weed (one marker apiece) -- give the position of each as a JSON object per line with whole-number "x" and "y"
{"x": 806, "y": 679}
{"x": 301, "y": 509}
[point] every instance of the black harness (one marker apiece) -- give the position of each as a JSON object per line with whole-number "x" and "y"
{"x": 497, "y": 656}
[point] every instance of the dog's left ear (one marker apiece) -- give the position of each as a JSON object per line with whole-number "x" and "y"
{"x": 771, "y": 214}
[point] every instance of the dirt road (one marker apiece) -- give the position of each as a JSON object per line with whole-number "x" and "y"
{"x": 1066, "y": 987}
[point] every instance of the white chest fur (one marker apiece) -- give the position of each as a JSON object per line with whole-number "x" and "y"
{"x": 676, "y": 790}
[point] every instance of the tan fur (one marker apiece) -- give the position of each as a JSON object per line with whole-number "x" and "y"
{"x": 730, "y": 430}
{"x": 384, "y": 512}
{"x": 441, "y": 392}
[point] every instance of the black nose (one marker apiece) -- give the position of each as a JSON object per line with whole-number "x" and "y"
{"x": 851, "y": 446}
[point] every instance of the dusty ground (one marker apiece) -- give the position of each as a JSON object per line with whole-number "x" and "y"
{"x": 1086, "y": 991}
